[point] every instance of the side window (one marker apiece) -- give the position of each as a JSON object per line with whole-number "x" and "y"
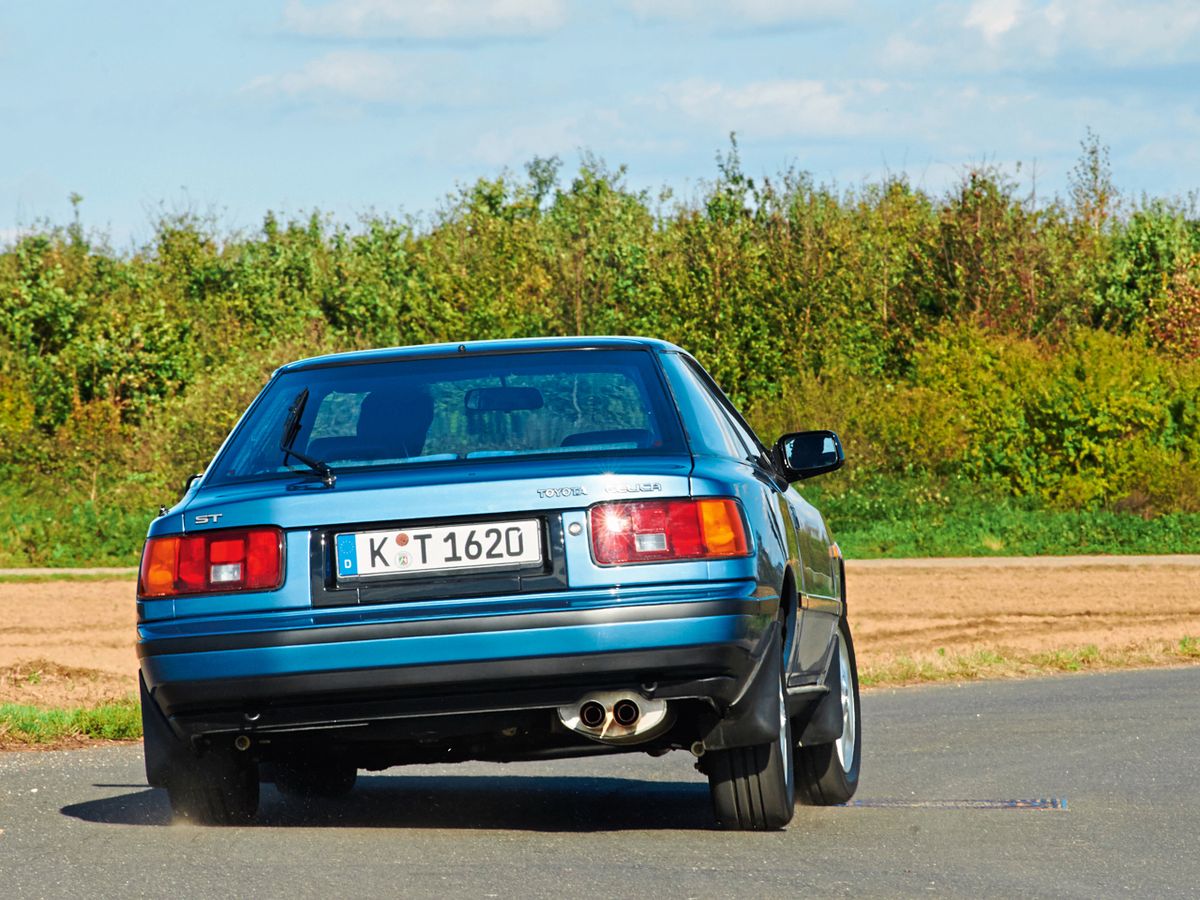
{"x": 709, "y": 429}
{"x": 747, "y": 437}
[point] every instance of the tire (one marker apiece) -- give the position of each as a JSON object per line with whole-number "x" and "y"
{"x": 827, "y": 774}
{"x": 753, "y": 788}
{"x": 314, "y": 779}
{"x": 215, "y": 789}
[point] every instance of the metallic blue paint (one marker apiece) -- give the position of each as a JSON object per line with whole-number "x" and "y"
{"x": 512, "y": 345}
{"x": 446, "y": 610}
{"x": 424, "y": 650}
{"x": 787, "y": 535}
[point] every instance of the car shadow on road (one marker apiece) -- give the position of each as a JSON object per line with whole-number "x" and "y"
{"x": 516, "y": 802}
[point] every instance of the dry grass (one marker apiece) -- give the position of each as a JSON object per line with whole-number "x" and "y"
{"x": 1007, "y": 663}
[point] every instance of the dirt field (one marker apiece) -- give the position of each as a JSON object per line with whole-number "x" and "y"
{"x": 70, "y": 643}
{"x": 1120, "y": 611}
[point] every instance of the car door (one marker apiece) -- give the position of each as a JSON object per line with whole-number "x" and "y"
{"x": 820, "y": 596}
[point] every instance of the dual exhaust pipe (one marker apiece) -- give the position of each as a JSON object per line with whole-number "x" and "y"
{"x": 616, "y": 717}
{"x": 625, "y": 712}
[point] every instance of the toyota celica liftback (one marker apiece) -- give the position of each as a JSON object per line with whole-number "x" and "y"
{"x": 512, "y": 550}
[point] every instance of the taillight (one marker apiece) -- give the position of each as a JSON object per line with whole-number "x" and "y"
{"x": 652, "y": 531}
{"x": 245, "y": 559}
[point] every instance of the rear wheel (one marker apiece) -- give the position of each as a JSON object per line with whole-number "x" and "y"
{"x": 752, "y": 787}
{"x": 215, "y": 789}
{"x": 827, "y": 774}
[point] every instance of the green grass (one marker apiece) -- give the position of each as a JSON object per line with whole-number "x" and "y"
{"x": 938, "y": 666}
{"x": 21, "y": 724}
{"x": 879, "y": 517}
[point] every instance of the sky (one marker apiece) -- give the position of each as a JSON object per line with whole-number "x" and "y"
{"x": 353, "y": 107}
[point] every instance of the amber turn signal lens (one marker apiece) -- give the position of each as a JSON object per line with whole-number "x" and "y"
{"x": 159, "y": 559}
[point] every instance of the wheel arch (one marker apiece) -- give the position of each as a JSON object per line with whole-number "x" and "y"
{"x": 789, "y": 608}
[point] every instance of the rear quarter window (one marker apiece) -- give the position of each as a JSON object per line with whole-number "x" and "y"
{"x": 709, "y": 430}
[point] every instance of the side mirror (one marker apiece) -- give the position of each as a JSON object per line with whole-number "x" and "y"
{"x": 804, "y": 454}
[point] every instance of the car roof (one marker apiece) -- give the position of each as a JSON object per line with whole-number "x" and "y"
{"x": 515, "y": 345}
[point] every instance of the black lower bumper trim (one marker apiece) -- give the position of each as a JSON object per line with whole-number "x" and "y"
{"x": 347, "y": 698}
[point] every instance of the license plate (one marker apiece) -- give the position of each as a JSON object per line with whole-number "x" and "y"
{"x": 439, "y": 549}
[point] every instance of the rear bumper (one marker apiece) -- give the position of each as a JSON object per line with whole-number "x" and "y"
{"x": 341, "y": 675}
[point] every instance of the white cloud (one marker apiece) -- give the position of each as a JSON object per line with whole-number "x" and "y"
{"x": 905, "y": 52}
{"x": 993, "y": 18}
{"x": 563, "y": 134}
{"x": 1130, "y": 32}
{"x": 424, "y": 18}
{"x": 10, "y": 236}
{"x": 353, "y": 75}
{"x": 749, "y": 12}
{"x": 520, "y": 143}
{"x": 1018, "y": 34}
{"x": 775, "y": 108}
{"x": 1168, "y": 154}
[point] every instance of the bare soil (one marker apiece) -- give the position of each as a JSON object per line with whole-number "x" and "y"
{"x": 71, "y": 643}
{"x": 1018, "y": 607}
{"x": 67, "y": 643}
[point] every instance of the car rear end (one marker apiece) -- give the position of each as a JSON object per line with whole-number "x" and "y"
{"x": 488, "y": 551}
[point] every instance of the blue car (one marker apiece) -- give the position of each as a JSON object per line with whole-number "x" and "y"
{"x": 503, "y": 550}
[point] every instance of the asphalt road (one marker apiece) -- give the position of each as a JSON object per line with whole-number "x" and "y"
{"x": 1111, "y": 759}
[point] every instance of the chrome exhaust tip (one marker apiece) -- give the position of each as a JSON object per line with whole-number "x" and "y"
{"x": 592, "y": 714}
{"x": 626, "y": 712}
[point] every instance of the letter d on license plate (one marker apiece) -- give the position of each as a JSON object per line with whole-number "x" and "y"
{"x": 439, "y": 549}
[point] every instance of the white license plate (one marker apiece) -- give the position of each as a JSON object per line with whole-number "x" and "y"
{"x": 439, "y": 549}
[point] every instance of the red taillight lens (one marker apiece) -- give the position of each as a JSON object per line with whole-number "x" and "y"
{"x": 246, "y": 559}
{"x": 709, "y": 528}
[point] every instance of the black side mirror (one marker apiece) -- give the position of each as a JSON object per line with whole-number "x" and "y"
{"x": 804, "y": 454}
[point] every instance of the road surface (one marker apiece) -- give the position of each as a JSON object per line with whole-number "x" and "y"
{"x": 1108, "y": 764}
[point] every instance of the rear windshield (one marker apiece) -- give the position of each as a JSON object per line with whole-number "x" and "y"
{"x": 450, "y": 409}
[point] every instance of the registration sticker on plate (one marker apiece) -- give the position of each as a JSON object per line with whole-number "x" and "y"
{"x": 439, "y": 549}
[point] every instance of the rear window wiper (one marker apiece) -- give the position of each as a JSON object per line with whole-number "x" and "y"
{"x": 291, "y": 428}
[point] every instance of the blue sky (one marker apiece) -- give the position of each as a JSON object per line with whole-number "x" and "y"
{"x": 353, "y": 106}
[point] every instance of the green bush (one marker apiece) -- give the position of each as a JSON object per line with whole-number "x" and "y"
{"x": 976, "y": 341}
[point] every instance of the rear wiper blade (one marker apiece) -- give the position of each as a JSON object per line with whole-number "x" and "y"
{"x": 291, "y": 428}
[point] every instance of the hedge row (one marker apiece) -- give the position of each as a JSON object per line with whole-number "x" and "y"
{"x": 1043, "y": 350}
